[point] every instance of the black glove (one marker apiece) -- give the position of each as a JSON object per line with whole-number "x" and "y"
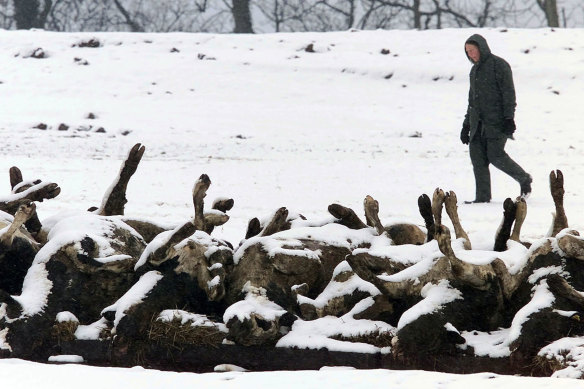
{"x": 465, "y": 134}
{"x": 509, "y": 127}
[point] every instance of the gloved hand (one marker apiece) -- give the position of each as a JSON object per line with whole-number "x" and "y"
{"x": 509, "y": 127}
{"x": 465, "y": 134}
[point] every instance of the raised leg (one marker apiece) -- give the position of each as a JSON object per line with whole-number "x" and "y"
{"x": 425, "y": 207}
{"x": 450, "y": 202}
{"x": 277, "y": 223}
{"x": 24, "y": 212}
{"x": 115, "y": 200}
{"x": 253, "y": 228}
{"x": 33, "y": 224}
{"x": 346, "y": 216}
{"x": 504, "y": 231}
{"x": 437, "y": 202}
{"x": 199, "y": 193}
{"x": 557, "y": 189}
{"x": 520, "y": 214}
{"x": 15, "y": 176}
{"x": 372, "y": 214}
{"x": 223, "y": 205}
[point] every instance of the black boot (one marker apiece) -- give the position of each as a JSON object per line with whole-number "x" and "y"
{"x": 526, "y": 187}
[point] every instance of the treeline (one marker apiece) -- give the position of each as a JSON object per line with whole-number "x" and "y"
{"x": 249, "y": 16}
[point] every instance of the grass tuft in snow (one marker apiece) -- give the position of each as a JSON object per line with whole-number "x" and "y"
{"x": 177, "y": 331}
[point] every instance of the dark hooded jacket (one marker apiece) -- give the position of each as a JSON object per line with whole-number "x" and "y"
{"x": 491, "y": 97}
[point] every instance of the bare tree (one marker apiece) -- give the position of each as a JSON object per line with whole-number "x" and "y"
{"x": 136, "y": 15}
{"x": 420, "y": 14}
{"x": 242, "y": 17}
{"x": 288, "y": 15}
{"x": 378, "y": 15}
{"x": 310, "y": 15}
{"x": 80, "y": 15}
{"x": 284, "y": 15}
{"x": 273, "y": 13}
{"x": 134, "y": 25}
{"x": 345, "y": 8}
{"x": 28, "y": 14}
{"x": 408, "y": 6}
{"x": 550, "y": 9}
{"x": 477, "y": 15}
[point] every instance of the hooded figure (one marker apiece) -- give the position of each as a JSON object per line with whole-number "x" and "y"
{"x": 489, "y": 119}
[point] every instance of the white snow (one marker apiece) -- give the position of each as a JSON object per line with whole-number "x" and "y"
{"x": 545, "y": 271}
{"x": 134, "y": 295}
{"x": 68, "y": 228}
{"x": 23, "y": 194}
{"x": 23, "y": 374}
{"x": 568, "y": 352}
{"x": 317, "y": 334}
{"x": 213, "y": 282}
{"x": 3, "y": 344}
{"x": 434, "y": 297}
{"x": 66, "y": 316}
{"x": 35, "y": 290}
{"x": 158, "y": 241}
{"x": 254, "y": 303}
{"x": 541, "y": 298}
{"x": 91, "y": 331}
{"x": 275, "y": 126}
{"x": 66, "y": 359}
{"x": 225, "y": 367}
{"x": 406, "y": 254}
{"x": 272, "y": 126}
{"x": 195, "y": 320}
{"x": 488, "y": 344}
{"x": 337, "y": 289}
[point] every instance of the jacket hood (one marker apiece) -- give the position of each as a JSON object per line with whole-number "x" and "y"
{"x": 482, "y": 44}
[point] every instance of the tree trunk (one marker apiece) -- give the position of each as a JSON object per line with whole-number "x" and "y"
{"x": 351, "y": 16}
{"x": 417, "y": 15}
{"x": 276, "y": 16}
{"x": 550, "y": 8}
{"x": 242, "y": 17}
{"x": 27, "y": 13}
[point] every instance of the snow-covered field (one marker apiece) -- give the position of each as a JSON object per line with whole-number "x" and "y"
{"x": 274, "y": 125}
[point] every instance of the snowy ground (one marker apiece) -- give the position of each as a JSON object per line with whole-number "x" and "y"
{"x": 274, "y": 125}
{"x": 22, "y": 374}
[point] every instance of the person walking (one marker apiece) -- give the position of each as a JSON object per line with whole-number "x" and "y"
{"x": 489, "y": 119}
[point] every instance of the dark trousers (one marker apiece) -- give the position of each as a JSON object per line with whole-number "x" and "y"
{"x": 485, "y": 151}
